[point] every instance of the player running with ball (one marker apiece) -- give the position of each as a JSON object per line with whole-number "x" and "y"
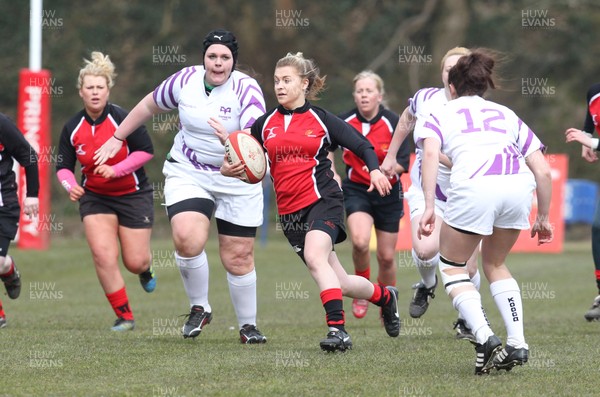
{"x": 296, "y": 136}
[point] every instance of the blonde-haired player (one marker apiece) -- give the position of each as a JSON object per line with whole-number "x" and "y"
{"x": 115, "y": 199}
{"x": 367, "y": 210}
{"x": 309, "y": 200}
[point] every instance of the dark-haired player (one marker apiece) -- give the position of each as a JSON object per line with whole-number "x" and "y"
{"x": 213, "y": 97}
{"x": 14, "y": 145}
{"x": 497, "y": 164}
{"x": 425, "y": 250}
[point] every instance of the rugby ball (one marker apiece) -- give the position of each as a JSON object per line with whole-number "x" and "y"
{"x": 241, "y": 146}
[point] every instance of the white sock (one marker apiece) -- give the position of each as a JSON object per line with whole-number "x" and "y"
{"x": 468, "y": 304}
{"x": 507, "y": 296}
{"x": 194, "y": 274}
{"x": 476, "y": 280}
{"x": 242, "y": 290}
{"x": 427, "y": 268}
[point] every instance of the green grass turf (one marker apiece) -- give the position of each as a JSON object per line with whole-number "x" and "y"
{"x": 58, "y": 340}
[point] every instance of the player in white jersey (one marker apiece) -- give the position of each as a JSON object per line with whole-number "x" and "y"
{"x": 425, "y": 250}
{"x": 210, "y": 97}
{"x": 497, "y": 163}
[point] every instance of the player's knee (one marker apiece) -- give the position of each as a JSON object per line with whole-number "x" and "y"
{"x": 187, "y": 242}
{"x": 187, "y": 247}
{"x": 360, "y": 245}
{"x": 138, "y": 263}
{"x": 311, "y": 259}
{"x": 386, "y": 259}
{"x": 425, "y": 253}
{"x": 454, "y": 275}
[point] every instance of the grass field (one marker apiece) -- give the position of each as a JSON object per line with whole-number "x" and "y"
{"x": 58, "y": 342}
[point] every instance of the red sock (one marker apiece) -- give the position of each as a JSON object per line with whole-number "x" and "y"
{"x": 380, "y": 296}
{"x": 334, "y": 311}
{"x": 120, "y": 304}
{"x": 2, "y": 310}
{"x": 364, "y": 273}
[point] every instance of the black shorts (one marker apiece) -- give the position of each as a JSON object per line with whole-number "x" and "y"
{"x": 326, "y": 215}
{"x": 385, "y": 211}
{"x": 9, "y": 220}
{"x": 207, "y": 207}
{"x": 134, "y": 210}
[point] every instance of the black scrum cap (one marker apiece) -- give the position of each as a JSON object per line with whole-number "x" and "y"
{"x": 224, "y": 37}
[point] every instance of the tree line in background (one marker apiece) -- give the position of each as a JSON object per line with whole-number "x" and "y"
{"x": 549, "y": 52}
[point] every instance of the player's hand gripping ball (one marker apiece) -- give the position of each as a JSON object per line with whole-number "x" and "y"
{"x": 243, "y": 147}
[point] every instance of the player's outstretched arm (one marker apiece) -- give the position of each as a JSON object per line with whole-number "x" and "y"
{"x": 141, "y": 113}
{"x": 403, "y": 128}
{"x": 588, "y": 151}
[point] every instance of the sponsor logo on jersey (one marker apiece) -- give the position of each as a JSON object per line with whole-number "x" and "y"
{"x": 225, "y": 113}
{"x": 270, "y": 134}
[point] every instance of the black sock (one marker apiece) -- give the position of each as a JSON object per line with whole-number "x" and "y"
{"x": 334, "y": 314}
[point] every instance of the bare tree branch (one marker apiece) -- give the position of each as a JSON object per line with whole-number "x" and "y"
{"x": 403, "y": 33}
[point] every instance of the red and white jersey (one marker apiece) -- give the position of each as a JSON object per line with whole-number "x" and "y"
{"x": 236, "y": 104}
{"x": 297, "y": 143}
{"x": 421, "y": 105}
{"x": 592, "y": 119}
{"x": 82, "y": 136}
{"x": 378, "y": 131}
{"x": 480, "y": 137}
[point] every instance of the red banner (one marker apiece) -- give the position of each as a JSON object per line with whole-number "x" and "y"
{"x": 33, "y": 119}
{"x": 559, "y": 165}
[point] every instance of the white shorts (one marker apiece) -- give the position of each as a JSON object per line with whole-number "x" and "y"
{"x": 416, "y": 202}
{"x": 502, "y": 201}
{"x": 235, "y": 201}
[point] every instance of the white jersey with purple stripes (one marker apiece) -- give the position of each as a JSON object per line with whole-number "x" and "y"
{"x": 236, "y": 104}
{"x": 421, "y": 105}
{"x": 480, "y": 137}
